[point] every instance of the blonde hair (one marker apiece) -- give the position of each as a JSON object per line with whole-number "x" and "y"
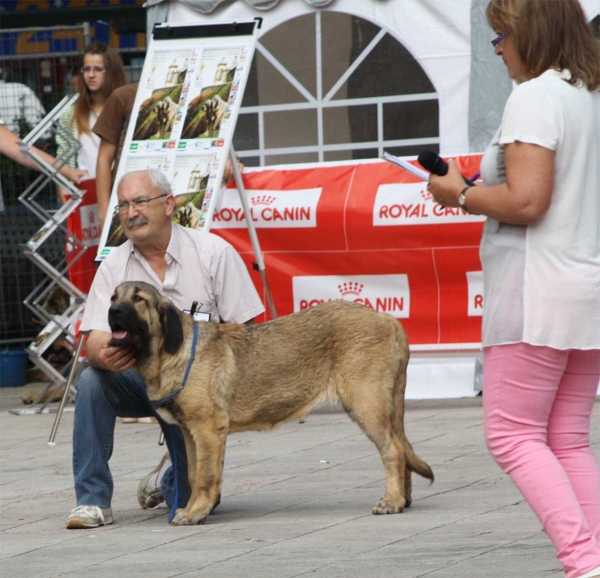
{"x": 550, "y": 34}
{"x": 114, "y": 78}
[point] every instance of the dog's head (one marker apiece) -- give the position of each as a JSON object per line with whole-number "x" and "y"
{"x": 142, "y": 319}
{"x": 57, "y": 301}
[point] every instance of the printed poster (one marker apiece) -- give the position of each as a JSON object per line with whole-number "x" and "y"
{"x": 183, "y": 121}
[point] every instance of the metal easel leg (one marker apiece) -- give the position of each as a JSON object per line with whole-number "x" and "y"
{"x": 260, "y": 264}
{"x": 67, "y": 391}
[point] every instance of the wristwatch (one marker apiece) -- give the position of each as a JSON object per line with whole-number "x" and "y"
{"x": 462, "y": 198}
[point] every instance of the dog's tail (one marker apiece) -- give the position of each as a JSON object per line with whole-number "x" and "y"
{"x": 413, "y": 461}
{"x": 416, "y": 464}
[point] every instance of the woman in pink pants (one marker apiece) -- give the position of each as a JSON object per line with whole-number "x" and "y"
{"x": 541, "y": 264}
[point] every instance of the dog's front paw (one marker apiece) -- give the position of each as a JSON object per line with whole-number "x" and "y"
{"x": 185, "y": 518}
{"x": 389, "y": 507}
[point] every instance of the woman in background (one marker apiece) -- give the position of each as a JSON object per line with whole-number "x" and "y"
{"x": 541, "y": 264}
{"x": 101, "y": 73}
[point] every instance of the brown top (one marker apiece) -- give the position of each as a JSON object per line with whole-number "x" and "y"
{"x": 114, "y": 119}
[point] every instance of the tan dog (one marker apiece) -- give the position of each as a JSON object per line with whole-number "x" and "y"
{"x": 254, "y": 377}
{"x": 57, "y": 301}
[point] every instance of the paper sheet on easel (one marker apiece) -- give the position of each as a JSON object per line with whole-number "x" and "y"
{"x": 408, "y": 167}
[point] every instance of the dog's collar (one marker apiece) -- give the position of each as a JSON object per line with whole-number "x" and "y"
{"x": 187, "y": 371}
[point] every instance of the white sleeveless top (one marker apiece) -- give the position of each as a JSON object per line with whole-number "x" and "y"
{"x": 87, "y": 155}
{"x": 542, "y": 281}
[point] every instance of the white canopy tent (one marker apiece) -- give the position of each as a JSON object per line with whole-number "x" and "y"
{"x": 450, "y": 42}
{"x": 449, "y": 39}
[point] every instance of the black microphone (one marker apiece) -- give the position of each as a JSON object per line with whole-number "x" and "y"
{"x": 435, "y": 164}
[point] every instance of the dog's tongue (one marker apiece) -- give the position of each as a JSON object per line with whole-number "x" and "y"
{"x": 119, "y": 334}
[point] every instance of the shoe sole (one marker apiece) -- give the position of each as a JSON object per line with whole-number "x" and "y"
{"x": 78, "y": 524}
{"x": 151, "y": 501}
{"x": 147, "y": 502}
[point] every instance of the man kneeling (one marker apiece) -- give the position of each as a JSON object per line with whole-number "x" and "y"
{"x": 186, "y": 266}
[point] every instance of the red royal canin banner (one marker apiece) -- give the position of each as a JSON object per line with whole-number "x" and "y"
{"x": 365, "y": 232}
{"x": 84, "y": 223}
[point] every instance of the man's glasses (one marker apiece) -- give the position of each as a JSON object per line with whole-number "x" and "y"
{"x": 90, "y": 69}
{"x": 496, "y": 41}
{"x": 139, "y": 204}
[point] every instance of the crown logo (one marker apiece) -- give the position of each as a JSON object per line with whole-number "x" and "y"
{"x": 262, "y": 200}
{"x": 427, "y": 196}
{"x": 350, "y": 288}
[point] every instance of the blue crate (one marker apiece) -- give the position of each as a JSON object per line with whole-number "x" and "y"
{"x": 13, "y": 368}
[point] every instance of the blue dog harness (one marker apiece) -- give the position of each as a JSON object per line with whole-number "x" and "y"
{"x": 187, "y": 372}
{"x": 173, "y": 427}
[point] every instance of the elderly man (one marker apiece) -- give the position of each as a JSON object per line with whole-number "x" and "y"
{"x": 185, "y": 265}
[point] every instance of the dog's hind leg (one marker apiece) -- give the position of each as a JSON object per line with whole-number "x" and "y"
{"x": 394, "y": 462}
{"x": 209, "y": 437}
{"x": 413, "y": 462}
{"x": 408, "y": 487}
{"x": 393, "y": 457}
{"x": 398, "y": 427}
{"x": 373, "y": 396}
{"x": 371, "y": 416}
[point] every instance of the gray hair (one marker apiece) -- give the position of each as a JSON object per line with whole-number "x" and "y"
{"x": 156, "y": 177}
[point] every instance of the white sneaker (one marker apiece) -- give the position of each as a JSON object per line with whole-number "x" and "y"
{"x": 89, "y": 517}
{"x": 149, "y": 495}
{"x": 150, "y": 419}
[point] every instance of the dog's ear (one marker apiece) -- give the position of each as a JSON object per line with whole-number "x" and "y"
{"x": 172, "y": 329}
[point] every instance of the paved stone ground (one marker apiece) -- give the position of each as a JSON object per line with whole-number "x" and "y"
{"x": 296, "y": 502}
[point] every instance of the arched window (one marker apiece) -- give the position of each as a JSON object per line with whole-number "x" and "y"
{"x": 331, "y": 86}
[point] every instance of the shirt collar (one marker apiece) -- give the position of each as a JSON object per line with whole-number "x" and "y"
{"x": 173, "y": 249}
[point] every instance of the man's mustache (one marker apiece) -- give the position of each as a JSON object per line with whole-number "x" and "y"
{"x": 136, "y": 222}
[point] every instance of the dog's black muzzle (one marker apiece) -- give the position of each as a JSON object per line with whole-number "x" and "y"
{"x": 127, "y": 328}
{"x": 122, "y": 317}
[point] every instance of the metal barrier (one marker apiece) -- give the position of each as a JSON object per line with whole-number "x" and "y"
{"x": 37, "y": 70}
{"x": 62, "y": 324}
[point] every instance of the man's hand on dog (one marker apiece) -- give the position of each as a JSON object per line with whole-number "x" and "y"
{"x": 116, "y": 359}
{"x": 102, "y": 355}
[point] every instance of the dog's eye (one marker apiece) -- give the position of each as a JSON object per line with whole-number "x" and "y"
{"x": 137, "y": 298}
{"x": 113, "y": 298}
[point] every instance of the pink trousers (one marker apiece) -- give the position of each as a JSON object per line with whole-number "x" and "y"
{"x": 537, "y": 405}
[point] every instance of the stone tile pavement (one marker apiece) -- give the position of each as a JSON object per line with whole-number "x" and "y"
{"x": 296, "y": 502}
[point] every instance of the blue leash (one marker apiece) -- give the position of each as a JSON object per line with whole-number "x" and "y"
{"x": 176, "y": 482}
{"x": 187, "y": 372}
{"x": 174, "y": 427}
